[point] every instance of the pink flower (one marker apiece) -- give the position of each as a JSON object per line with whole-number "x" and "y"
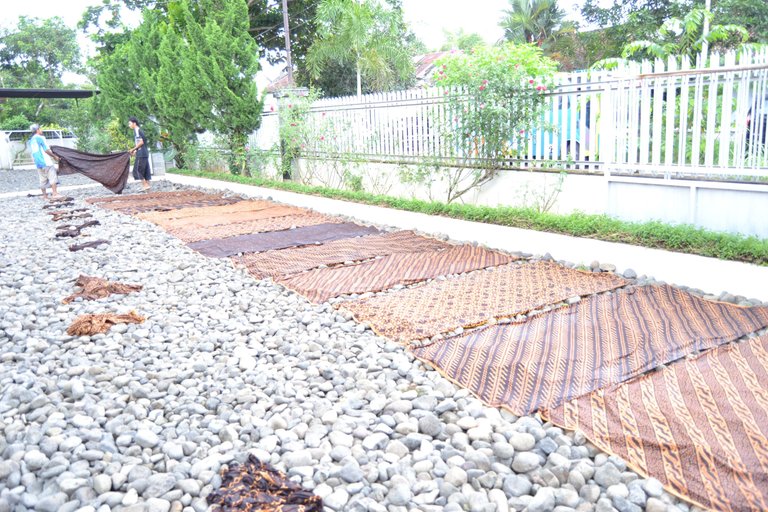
{"x": 271, "y": 108}
{"x": 530, "y": 81}
{"x": 538, "y": 87}
{"x": 293, "y": 124}
{"x": 517, "y": 66}
{"x": 445, "y": 93}
{"x": 291, "y": 106}
{"x": 485, "y": 82}
{"x": 482, "y": 87}
{"x": 522, "y": 132}
{"x": 445, "y": 67}
{"x": 482, "y": 105}
{"x": 441, "y": 71}
{"x": 543, "y": 87}
{"x": 323, "y": 114}
{"x": 322, "y": 138}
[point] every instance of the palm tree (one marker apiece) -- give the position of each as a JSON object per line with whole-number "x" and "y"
{"x": 364, "y": 33}
{"x": 531, "y": 21}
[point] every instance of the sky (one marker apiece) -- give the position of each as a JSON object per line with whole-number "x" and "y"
{"x": 427, "y": 18}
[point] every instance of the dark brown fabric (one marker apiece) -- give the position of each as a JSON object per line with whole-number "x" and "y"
{"x": 307, "y": 235}
{"x": 58, "y": 204}
{"x": 257, "y": 487}
{"x": 599, "y": 342}
{"x": 197, "y": 234}
{"x": 98, "y": 288}
{"x": 109, "y": 170}
{"x": 699, "y": 426}
{"x": 74, "y": 231}
{"x": 87, "y": 325}
{"x": 80, "y": 247}
{"x": 70, "y": 216}
{"x": 78, "y": 226}
{"x": 406, "y": 268}
{"x": 65, "y": 212}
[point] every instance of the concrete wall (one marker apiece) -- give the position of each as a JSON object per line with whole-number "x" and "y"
{"x": 736, "y": 208}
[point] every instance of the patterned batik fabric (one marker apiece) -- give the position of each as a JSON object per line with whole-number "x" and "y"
{"x": 160, "y": 218}
{"x": 601, "y": 341}
{"x": 229, "y": 218}
{"x": 146, "y": 196}
{"x": 197, "y": 234}
{"x": 699, "y": 425}
{"x": 163, "y": 201}
{"x": 258, "y": 242}
{"x": 395, "y": 269}
{"x": 258, "y": 487}
{"x": 292, "y": 261}
{"x": 470, "y": 300}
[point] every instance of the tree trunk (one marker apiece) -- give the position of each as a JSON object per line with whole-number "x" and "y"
{"x": 359, "y": 82}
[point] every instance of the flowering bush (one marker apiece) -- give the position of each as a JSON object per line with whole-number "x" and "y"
{"x": 496, "y": 95}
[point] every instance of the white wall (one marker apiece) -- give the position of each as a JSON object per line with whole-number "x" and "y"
{"x": 735, "y": 208}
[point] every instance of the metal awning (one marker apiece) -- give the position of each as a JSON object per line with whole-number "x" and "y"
{"x": 47, "y": 93}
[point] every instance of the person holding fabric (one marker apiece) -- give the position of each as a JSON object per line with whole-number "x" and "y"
{"x": 42, "y": 155}
{"x": 141, "y": 164}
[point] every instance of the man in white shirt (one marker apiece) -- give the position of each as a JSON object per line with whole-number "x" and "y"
{"x": 42, "y": 155}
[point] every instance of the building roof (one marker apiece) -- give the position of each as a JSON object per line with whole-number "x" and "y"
{"x": 47, "y": 93}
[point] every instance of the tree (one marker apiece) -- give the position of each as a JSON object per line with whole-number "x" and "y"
{"x": 461, "y": 40}
{"x": 686, "y": 37}
{"x": 640, "y": 18}
{"x": 188, "y": 70}
{"x": 364, "y": 34}
{"x": 531, "y": 21}
{"x": 36, "y": 54}
{"x": 751, "y": 14}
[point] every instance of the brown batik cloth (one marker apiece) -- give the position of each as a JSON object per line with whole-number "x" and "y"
{"x": 292, "y": 261}
{"x": 599, "y": 342}
{"x": 699, "y": 425}
{"x": 471, "y": 300}
{"x": 145, "y": 196}
{"x": 58, "y": 204}
{"x": 257, "y": 242}
{"x": 86, "y": 245}
{"x": 228, "y": 218}
{"x": 196, "y": 234}
{"x": 165, "y": 201}
{"x": 161, "y": 218}
{"x": 257, "y": 487}
{"x": 87, "y": 325}
{"x": 322, "y": 284}
{"x": 110, "y": 170}
{"x": 97, "y": 288}
{"x": 67, "y": 212}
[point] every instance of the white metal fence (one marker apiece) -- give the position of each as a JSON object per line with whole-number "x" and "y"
{"x": 664, "y": 118}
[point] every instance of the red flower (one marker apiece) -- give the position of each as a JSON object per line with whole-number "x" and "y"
{"x": 538, "y": 87}
{"x": 482, "y": 87}
{"x": 293, "y": 124}
{"x": 530, "y": 81}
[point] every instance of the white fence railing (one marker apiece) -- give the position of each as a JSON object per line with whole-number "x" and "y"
{"x": 661, "y": 117}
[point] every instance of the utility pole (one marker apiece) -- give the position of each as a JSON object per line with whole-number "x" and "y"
{"x": 287, "y": 43}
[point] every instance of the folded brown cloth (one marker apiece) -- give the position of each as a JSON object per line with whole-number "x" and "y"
{"x": 109, "y": 170}
{"x": 80, "y": 247}
{"x": 71, "y": 231}
{"x": 98, "y": 288}
{"x": 257, "y": 487}
{"x": 86, "y": 325}
{"x": 62, "y": 212}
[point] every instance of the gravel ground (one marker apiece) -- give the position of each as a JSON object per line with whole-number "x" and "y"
{"x": 142, "y": 418}
{"x": 26, "y": 179}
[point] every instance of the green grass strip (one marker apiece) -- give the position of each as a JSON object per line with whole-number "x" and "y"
{"x": 678, "y": 238}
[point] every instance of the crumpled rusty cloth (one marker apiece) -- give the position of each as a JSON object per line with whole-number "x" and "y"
{"x": 80, "y": 247}
{"x": 98, "y": 288}
{"x": 257, "y": 487}
{"x": 87, "y": 325}
{"x": 109, "y": 170}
